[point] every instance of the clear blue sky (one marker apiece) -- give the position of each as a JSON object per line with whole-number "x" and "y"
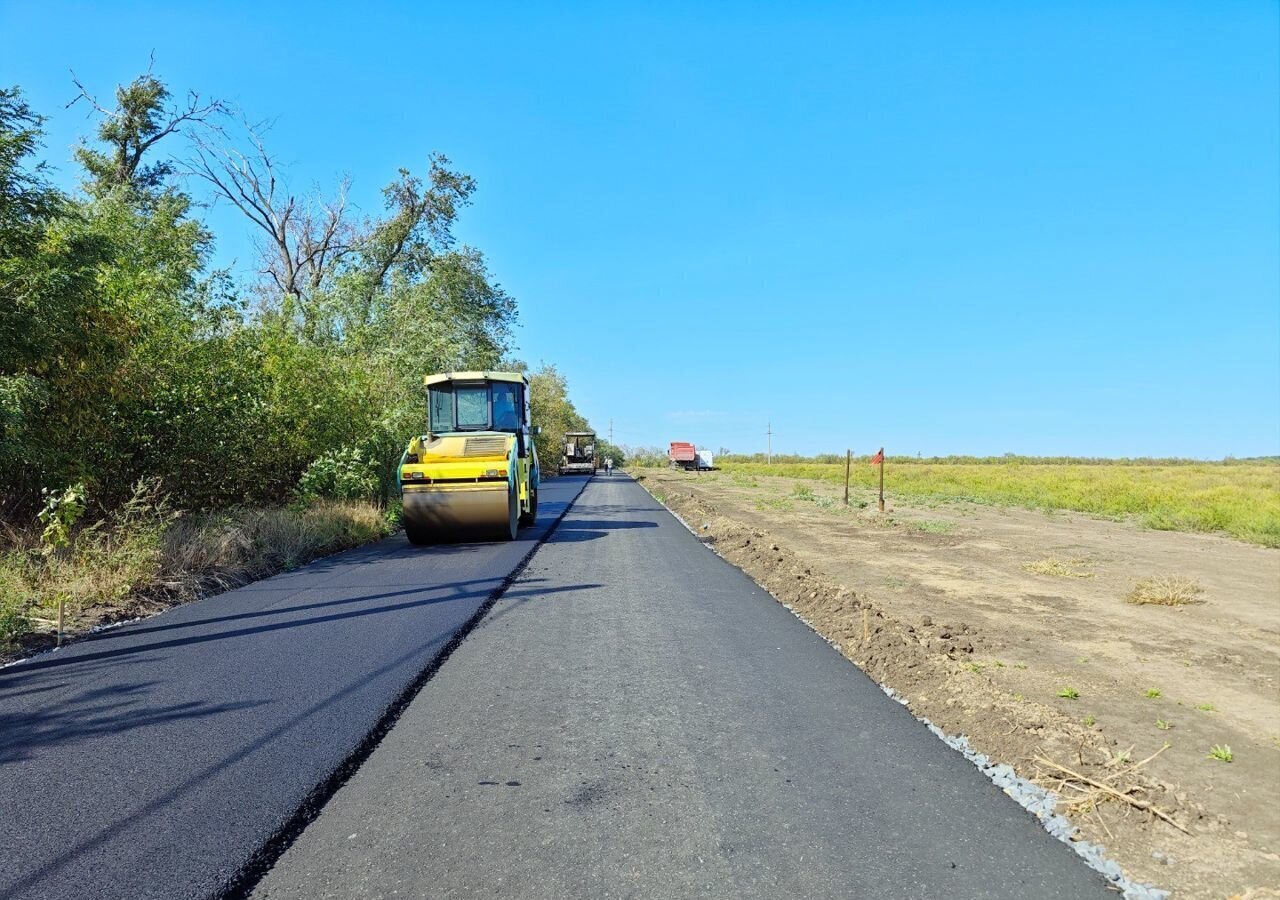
{"x": 948, "y": 227}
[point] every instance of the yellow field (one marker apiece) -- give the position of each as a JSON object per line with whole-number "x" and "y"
{"x": 1240, "y": 499}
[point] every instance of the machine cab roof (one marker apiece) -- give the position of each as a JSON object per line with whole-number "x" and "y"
{"x": 477, "y": 401}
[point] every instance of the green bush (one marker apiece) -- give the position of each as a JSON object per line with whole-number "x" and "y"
{"x": 343, "y": 474}
{"x": 123, "y": 356}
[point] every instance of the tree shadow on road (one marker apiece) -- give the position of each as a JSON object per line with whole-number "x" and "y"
{"x": 202, "y": 776}
{"x": 572, "y": 530}
{"x": 94, "y": 712}
{"x": 130, "y": 640}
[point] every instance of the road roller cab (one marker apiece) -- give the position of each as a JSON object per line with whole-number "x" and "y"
{"x": 474, "y": 475}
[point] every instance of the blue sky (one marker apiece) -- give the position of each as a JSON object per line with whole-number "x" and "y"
{"x": 944, "y": 228}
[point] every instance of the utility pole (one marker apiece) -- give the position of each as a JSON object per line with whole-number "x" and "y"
{"x": 768, "y": 453}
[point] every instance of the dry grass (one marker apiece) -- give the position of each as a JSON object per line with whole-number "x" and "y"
{"x": 1084, "y": 794}
{"x": 227, "y": 550}
{"x": 1165, "y": 590}
{"x": 1058, "y": 568}
{"x": 145, "y": 557}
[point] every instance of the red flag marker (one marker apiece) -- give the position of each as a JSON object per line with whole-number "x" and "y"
{"x": 878, "y": 459}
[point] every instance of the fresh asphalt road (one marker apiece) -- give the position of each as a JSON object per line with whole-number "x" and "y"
{"x": 636, "y": 718}
{"x": 155, "y": 760}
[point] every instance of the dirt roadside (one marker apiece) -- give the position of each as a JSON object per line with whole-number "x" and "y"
{"x": 938, "y": 604}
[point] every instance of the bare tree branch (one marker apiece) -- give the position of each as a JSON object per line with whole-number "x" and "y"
{"x": 307, "y": 240}
{"x": 142, "y": 118}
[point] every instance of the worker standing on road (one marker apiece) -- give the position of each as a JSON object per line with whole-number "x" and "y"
{"x": 608, "y": 465}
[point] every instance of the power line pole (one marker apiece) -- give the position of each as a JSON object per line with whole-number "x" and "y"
{"x": 768, "y": 453}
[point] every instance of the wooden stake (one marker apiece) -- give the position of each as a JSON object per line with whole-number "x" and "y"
{"x": 866, "y": 629}
{"x": 61, "y": 601}
{"x": 881, "y": 479}
{"x": 848, "y": 461}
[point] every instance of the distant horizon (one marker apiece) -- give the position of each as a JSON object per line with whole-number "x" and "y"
{"x": 1273, "y": 459}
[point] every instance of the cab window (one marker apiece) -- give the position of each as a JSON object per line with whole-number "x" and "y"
{"x": 505, "y": 404}
{"x": 472, "y": 404}
{"x": 441, "y": 410}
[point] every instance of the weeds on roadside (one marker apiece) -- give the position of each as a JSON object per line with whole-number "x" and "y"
{"x": 933, "y": 526}
{"x": 1069, "y": 693}
{"x": 1152, "y": 693}
{"x": 145, "y": 552}
{"x": 16, "y": 600}
{"x": 1206, "y": 707}
{"x": 1165, "y": 590}
{"x": 1163, "y": 725}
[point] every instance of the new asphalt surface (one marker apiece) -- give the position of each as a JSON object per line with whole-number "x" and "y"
{"x": 636, "y": 718}
{"x": 155, "y": 760}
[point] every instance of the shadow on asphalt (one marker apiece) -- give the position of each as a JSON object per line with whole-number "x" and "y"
{"x": 124, "y": 823}
{"x": 135, "y": 630}
{"x": 71, "y": 701}
{"x": 94, "y": 712}
{"x": 54, "y": 660}
{"x": 593, "y": 529}
{"x": 513, "y": 600}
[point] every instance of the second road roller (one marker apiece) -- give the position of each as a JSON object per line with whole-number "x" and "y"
{"x": 474, "y": 474}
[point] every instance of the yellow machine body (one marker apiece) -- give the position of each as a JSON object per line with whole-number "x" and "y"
{"x": 474, "y": 475}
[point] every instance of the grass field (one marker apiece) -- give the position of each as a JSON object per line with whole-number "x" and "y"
{"x": 1241, "y": 499}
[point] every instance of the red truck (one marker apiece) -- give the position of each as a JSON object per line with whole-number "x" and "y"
{"x": 687, "y": 456}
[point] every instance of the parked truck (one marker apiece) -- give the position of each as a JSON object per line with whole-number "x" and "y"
{"x": 579, "y": 457}
{"x": 686, "y": 456}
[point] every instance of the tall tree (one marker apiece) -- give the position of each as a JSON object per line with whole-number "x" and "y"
{"x": 144, "y": 114}
{"x": 552, "y": 409}
{"x": 313, "y": 242}
{"x": 48, "y": 301}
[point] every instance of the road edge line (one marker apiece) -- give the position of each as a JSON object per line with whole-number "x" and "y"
{"x": 1040, "y": 802}
{"x": 251, "y": 872}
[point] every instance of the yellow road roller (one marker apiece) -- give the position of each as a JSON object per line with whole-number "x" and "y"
{"x": 474, "y": 475}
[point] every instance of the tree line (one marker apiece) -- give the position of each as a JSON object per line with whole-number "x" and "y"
{"x": 124, "y": 355}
